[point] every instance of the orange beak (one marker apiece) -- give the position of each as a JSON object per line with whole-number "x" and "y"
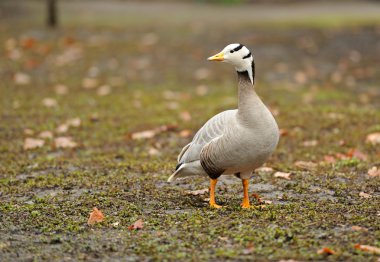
{"x": 217, "y": 57}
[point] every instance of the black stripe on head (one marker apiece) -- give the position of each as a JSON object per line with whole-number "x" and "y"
{"x": 247, "y": 56}
{"x": 240, "y": 46}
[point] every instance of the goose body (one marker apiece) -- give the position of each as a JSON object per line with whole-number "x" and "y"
{"x": 233, "y": 142}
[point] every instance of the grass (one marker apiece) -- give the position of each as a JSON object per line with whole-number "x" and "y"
{"x": 47, "y": 193}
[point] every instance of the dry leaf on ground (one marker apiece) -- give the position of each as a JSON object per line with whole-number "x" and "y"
{"x": 139, "y": 224}
{"x": 152, "y": 132}
{"x": 364, "y": 195}
{"x": 185, "y": 133}
{"x": 49, "y": 102}
{"x": 62, "y": 128}
{"x": 89, "y": 83}
{"x": 185, "y": 116}
{"x": 60, "y": 89}
{"x": 282, "y": 175}
{"x": 104, "y": 90}
{"x": 21, "y": 79}
{"x": 197, "y": 192}
{"x": 249, "y": 249}
{"x": 46, "y": 134}
{"x": 326, "y": 250}
{"x": 28, "y": 132}
{"x": 367, "y": 248}
{"x": 31, "y": 143}
{"x": 74, "y": 122}
{"x": 306, "y": 165}
{"x": 357, "y": 154}
{"x": 359, "y": 228}
{"x": 373, "y": 139}
{"x": 374, "y": 172}
{"x": 264, "y": 169}
{"x": 64, "y": 142}
{"x": 96, "y": 216}
{"x": 310, "y": 143}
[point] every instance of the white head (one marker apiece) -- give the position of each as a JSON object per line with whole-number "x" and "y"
{"x": 237, "y": 55}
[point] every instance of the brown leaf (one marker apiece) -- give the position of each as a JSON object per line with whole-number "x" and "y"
{"x": 28, "y": 132}
{"x": 89, "y": 83}
{"x": 60, "y": 89}
{"x": 367, "y": 248}
{"x": 358, "y": 228}
{"x": 373, "y": 139}
{"x": 62, "y": 128}
{"x": 21, "y": 79}
{"x": 257, "y": 197}
{"x": 31, "y": 143}
{"x": 185, "y": 116}
{"x": 264, "y": 169}
{"x": 201, "y": 73}
{"x": 74, "y": 122}
{"x": 96, "y": 216}
{"x": 326, "y": 250}
{"x": 310, "y": 143}
{"x": 49, "y": 102}
{"x": 46, "y": 134}
{"x": 374, "y": 172}
{"x": 104, "y": 90}
{"x": 185, "y": 133}
{"x": 201, "y": 90}
{"x": 329, "y": 159}
{"x": 282, "y": 175}
{"x": 284, "y": 132}
{"x": 307, "y": 165}
{"x": 64, "y": 142}
{"x": 139, "y": 224}
{"x": 152, "y": 132}
{"x": 197, "y": 192}
{"x": 364, "y": 195}
{"x": 357, "y": 154}
{"x": 249, "y": 249}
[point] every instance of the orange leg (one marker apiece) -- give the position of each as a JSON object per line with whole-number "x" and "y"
{"x": 212, "y": 193}
{"x": 245, "y": 203}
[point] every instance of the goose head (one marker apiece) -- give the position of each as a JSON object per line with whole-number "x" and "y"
{"x": 239, "y": 56}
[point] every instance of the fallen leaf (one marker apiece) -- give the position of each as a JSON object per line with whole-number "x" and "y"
{"x": 267, "y": 202}
{"x": 249, "y": 249}
{"x": 49, "y": 102}
{"x": 139, "y": 224}
{"x": 104, "y": 90}
{"x": 197, "y": 192}
{"x": 75, "y": 122}
{"x": 374, "y": 172}
{"x": 185, "y": 116}
{"x": 60, "y": 89}
{"x": 153, "y": 151}
{"x": 149, "y": 39}
{"x": 326, "y": 250}
{"x": 306, "y": 165}
{"x": 115, "y": 224}
{"x": 46, "y": 134}
{"x": 257, "y": 197}
{"x": 358, "y": 228}
{"x": 367, "y": 248}
{"x": 152, "y": 132}
{"x": 21, "y": 79}
{"x": 329, "y": 159}
{"x": 264, "y": 169}
{"x": 284, "y": 132}
{"x": 373, "y": 139}
{"x": 310, "y": 143}
{"x": 201, "y": 90}
{"x": 63, "y": 128}
{"x": 364, "y": 195}
{"x": 96, "y": 216}
{"x": 64, "y": 142}
{"x": 282, "y": 175}
{"x": 357, "y": 154}
{"x": 28, "y": 132}
{"x": 185, "y": 133}
{"x": 89, "y": 83}
{"x": 31, "y": 143}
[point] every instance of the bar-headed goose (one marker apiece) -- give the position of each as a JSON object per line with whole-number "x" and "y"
{"x": 234, "y": 142}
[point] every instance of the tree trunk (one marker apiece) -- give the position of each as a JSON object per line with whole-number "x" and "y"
{"x": 51, "y": 13}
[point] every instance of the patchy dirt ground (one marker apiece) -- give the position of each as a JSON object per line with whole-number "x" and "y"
{"x": 102, "y": 85}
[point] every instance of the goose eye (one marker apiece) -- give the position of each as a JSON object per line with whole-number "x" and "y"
{"x": 231, "y": 51}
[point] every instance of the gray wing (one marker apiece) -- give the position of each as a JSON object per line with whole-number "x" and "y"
{"x": 213, "y": 128}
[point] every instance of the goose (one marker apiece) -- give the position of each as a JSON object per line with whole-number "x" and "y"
{"x": 233, "y": 142}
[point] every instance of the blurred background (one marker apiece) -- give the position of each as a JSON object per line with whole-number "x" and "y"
{"x": 98, "y": 98}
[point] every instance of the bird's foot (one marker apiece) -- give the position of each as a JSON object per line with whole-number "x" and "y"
{"x": 214, "y": 205}
{"x": 245, "y": 204}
